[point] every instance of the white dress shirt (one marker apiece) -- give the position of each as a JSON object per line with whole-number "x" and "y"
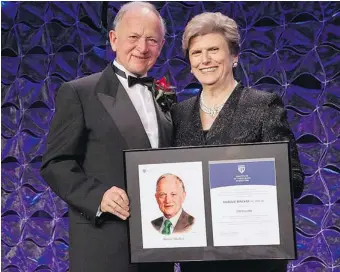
{"x": 173, "y": 221}
{"x": 143, "y": 102}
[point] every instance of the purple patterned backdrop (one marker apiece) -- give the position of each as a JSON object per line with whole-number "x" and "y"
{"x": 288, "y": 47}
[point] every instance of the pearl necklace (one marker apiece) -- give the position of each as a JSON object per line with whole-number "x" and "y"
{"x": 214, "y": 111}
{"x": 211, "y": 111}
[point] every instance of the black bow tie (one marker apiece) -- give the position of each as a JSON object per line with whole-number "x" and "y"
{"x": 146, "y": 81}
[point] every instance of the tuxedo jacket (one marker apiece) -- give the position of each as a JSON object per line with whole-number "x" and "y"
{"x": 248, "y": 116}
{"x": 94, "y": 122}
{"x": 184, "y": 223}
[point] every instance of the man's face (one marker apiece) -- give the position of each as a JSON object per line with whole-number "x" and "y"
{"x": 137, "y": 40}
{"x": 170, "y": 196}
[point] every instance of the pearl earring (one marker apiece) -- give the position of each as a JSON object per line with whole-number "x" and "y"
{"x": 234, "y": 64}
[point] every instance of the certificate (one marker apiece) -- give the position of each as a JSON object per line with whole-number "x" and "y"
{"x": 244, "y": 202}
{"x": 209, "y": 203}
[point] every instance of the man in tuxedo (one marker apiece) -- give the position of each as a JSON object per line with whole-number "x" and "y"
{"x": 170, "y": 195}
{"x": 96, "y": 118}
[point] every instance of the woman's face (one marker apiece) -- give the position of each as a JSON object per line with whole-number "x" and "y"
{"x": 210, "y": 59}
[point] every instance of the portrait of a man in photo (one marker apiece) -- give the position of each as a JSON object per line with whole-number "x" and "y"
{"x": 170, "y": 196}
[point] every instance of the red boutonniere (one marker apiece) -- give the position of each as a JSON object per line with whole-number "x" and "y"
{"x": 165, "y": 94}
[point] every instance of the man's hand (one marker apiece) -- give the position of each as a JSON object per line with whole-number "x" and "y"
{"x": 116, "y": 201}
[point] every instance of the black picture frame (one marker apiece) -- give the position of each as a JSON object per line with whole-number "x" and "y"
{"x": 286, "y": 250}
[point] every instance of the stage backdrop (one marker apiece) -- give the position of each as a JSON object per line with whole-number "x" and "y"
{"x": 291, "y": 48}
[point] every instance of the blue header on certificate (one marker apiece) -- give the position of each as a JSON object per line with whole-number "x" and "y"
{"x": 242, "y": 172}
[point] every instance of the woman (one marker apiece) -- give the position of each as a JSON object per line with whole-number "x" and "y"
{"x": 225, "y": 112}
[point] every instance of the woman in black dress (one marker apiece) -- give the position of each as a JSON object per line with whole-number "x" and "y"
{"x": 225, "y": 112}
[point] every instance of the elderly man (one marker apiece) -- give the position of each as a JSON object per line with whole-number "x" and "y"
{"x": 170, "y": 195}
{"x": 96, "y": 118}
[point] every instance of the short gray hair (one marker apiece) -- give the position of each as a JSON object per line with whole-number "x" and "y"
{"x": 212, "y": 22}
{"x": 131, "y": 5}
{"x": 169, "y": 174}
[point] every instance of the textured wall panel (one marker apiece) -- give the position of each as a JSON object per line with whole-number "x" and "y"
{"x": 291, "y": 48}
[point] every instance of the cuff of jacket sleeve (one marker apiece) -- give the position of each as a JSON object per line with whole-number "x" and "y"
{"x": 99, "y": 212}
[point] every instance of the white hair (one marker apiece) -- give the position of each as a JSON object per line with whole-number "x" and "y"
{"x": 132, "y": 5}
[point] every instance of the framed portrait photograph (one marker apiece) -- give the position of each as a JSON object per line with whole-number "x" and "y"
{"x": 227, "y": 202}
{"x": 172, "y": 189}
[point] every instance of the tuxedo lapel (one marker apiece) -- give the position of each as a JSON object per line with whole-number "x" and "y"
{"x": 164, "y": 126}
{"x": 117, "y": 103}
{"x": 220, "y": 129}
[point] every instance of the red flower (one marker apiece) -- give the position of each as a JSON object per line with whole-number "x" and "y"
{"x": 163, "y": 84}
{"x": 164, "y": 93}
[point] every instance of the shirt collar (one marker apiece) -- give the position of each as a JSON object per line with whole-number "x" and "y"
{"x": 174, "y": 219}
{"x": 121, "y": 67}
